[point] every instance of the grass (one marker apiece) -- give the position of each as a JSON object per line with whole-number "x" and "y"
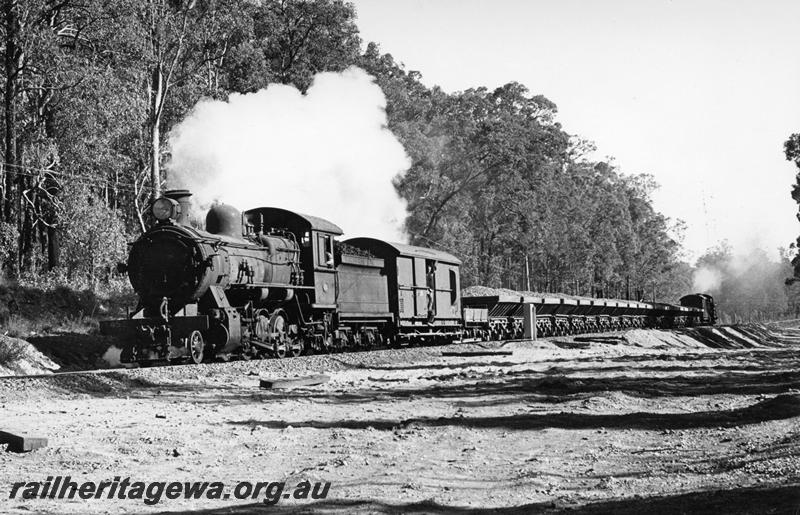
{"x": 18, "y": 326}
{"x": 10, "y": 351}
{"x": 46, "y": 304}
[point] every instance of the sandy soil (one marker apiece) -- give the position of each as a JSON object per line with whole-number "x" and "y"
{"x": 646, "y": 421}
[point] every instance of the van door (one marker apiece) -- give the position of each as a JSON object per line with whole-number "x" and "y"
{"x": 405, "y": 287}
{"x": 421, "y": 288}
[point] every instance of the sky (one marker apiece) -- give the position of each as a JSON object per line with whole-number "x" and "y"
{"x": 701, "y": 94}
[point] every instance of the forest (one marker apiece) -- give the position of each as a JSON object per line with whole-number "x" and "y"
{"x": 91, "y": 88}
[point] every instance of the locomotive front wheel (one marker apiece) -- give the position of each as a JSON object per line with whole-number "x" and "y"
{"x": 196, "y": 347}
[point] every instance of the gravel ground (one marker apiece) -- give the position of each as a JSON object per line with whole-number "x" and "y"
{"x": 657, "y": 421}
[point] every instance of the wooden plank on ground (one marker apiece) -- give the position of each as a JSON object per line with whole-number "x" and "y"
{"x": 599, "y": 339}
{"x": 571, "y": 345}
{"x": 294, "y": 382}
{"x": 22, "y": 442}
{"x": 477, "y": 353}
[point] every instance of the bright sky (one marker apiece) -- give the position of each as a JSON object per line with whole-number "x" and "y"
{"x": 699, "y": 93}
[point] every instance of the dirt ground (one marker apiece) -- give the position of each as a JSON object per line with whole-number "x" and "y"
{"x": 644, "y": 421}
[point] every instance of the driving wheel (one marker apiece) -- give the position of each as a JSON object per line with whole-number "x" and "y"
{"x": 278, "y": 327}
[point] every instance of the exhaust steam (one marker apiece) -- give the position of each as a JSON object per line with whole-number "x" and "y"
{"x": 327, "y": 153}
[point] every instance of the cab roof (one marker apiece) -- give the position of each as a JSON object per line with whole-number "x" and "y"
{"x": 296, "y": 222}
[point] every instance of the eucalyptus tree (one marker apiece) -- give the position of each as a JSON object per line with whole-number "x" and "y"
{"x": 791, "y": 149}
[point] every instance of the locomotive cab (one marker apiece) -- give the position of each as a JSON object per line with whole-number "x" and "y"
{"x": 316, "y": 241}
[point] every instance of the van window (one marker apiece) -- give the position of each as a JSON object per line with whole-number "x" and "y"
{"x": 430, "y": 274}
{"x": 453, "y": 286}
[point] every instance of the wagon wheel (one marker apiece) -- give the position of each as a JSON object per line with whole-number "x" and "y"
{"x": 368, "y": 339}
{"x": 296, "y": 346}
{"x": 355, "y": 341}
{"x": 278, "y": 326}
{"x": 196, "y": 347}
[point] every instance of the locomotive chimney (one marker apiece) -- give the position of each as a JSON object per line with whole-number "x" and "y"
{"x": 182, "y": 198}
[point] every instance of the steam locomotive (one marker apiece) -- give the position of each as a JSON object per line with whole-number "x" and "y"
{"x": 272, "y": 282}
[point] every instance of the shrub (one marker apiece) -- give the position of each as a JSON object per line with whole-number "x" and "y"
{"x": 94, "y": 239}
{"x": 9, "y": 241}
{"x": 10, "y": 350}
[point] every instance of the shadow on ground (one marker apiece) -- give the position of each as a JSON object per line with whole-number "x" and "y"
{"x": 763, "y": 500}
{"x": 562, "y": 384}
{"x": 73, "y": 351}
{"x": 777, "y": 408}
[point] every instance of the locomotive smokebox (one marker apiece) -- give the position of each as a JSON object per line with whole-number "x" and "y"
{"x": 182, "y": 198}
{"x": 224, "y": 220}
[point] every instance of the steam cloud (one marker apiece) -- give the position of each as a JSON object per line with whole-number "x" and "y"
{"x": 327, "y": 153}
{"x": 707, "y": 279}
{"x": 746, "y": 283}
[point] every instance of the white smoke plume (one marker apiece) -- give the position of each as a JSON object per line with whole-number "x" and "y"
{"x": 327, "y": 153}
{"x": 707, "y": 279}
{"x": 746, "y": 283}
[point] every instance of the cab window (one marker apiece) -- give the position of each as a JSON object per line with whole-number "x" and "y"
{"x": 325, "y": 250}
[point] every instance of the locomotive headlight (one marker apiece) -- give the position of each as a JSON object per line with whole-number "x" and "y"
{"x": 165, "y": 208}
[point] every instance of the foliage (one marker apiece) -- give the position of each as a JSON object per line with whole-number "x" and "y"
{"x": 791, "y": 149}
{"x": 95, "y": 83}
{"x": 494, "y": 178}
{"x": 301, "y": 38}
{"x": 43, "y": 303}
{"x": 8, "y": 244}
{"x": 94, "y": 238}
{"x": 11, "y": 350}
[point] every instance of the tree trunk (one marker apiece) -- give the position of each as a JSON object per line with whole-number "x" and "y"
{"x": 156, "y": 96}
{"x": 527, "y": 273}
{"x": 9, "y": 103}
{"x": 25, "y": 225}
{"x": 52, "y": 248}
